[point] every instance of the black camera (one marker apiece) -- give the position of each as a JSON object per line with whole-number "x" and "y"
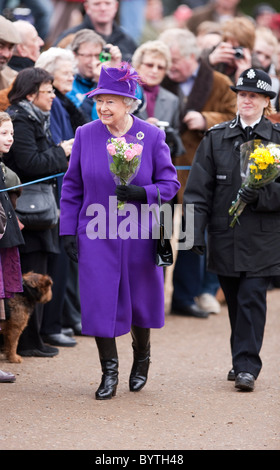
{"x": 105, "y": 55}
{"x": 172, "y": 138}
{"x": 239, "y": 54}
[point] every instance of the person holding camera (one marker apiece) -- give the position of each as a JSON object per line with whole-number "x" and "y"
{"x": 234, "y": 53}
{"x": 90, "y": 51}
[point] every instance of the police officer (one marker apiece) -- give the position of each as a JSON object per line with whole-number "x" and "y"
{"x": 247, "y": 255}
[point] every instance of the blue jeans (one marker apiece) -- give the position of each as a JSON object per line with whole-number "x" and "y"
{"x": 191, "y": 279}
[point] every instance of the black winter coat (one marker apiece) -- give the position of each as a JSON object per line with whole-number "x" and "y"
{"x": 253, "y": 246}
{"x": 119, "y": 38}
{"x": 32, "y": 156}
{"x": 12, "y": 236}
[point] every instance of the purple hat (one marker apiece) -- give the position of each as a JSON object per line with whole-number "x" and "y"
{"x": 117, "y": 81}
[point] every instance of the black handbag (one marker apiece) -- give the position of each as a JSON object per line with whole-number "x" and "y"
{"x": 164, "y": 254}
{"x": 36, "y": 207}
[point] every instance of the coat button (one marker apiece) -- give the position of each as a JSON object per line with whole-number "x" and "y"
{"x": 9, "y": 214}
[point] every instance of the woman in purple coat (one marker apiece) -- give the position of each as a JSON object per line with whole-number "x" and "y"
{"x": 121, "y": 288}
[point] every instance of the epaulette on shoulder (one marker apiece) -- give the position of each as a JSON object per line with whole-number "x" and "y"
{"x": 220, "y": 125}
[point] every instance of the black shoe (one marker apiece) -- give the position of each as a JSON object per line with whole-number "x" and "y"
{"x": 38, "y": 352}
{"x": 72, "y": 330}
{"x": 77, "y": 329}
{"x": 141, "y": 346}
{"x": 139, "y": 374}
{"x": 245, "y": 381}
{"x": 49, "y": 349}
{"x": 6, "y": 377}
{"x": 59, "y": 339}
{"x": 108, "y": 387}
{"x": 231, "y": 375}
{"x": 67, "y": 331}
{"x": 190, "y": 310}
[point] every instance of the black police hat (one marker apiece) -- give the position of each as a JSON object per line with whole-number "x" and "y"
{"x": 254, "y": 80}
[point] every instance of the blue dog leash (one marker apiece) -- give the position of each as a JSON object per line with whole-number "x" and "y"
{"x": 32, "y": 182}
{"x": 61, "y": 174}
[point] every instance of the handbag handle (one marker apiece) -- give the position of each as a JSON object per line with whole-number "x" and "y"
{"x": 158, "y": 196}
{"x": 161, "y": 216}
{"x": 164, "y": 256}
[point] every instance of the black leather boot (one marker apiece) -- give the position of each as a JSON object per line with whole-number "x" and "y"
{"x": 109, "y": 363}
{"x": 141, "y": 351}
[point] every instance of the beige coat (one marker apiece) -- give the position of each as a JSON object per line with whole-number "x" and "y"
{"x": 7, "y": 76}
{"x": 211, "y": 95}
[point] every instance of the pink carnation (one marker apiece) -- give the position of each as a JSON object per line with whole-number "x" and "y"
{"x": 130, "y": 154}
{"x": 120, "y": 139}
{"x": 111, "y": 149}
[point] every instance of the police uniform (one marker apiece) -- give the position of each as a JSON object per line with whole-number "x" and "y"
{"x": 247, "y": 255}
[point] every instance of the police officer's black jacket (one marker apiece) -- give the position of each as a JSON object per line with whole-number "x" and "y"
{"x": 253, "y": 246}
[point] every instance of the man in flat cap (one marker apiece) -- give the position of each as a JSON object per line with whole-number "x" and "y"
{"x": 8, "y": 38}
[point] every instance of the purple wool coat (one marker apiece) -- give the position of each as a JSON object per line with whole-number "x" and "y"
{"x": 120, "y": 284}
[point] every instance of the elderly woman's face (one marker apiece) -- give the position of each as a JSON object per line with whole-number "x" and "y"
{"x": 64, "y": 76}
{"x": 152, "y": 68}
{"x": 111, "y": 109}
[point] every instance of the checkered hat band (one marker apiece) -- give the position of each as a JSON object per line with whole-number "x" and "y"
{"x": 261, "y": 84}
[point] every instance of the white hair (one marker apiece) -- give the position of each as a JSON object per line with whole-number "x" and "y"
{"x": 132, "y": 103}
{"x": 183, "y": 39}
{"x": 49, "y": 59}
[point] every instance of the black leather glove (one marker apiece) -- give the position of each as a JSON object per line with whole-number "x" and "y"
{"x": 70, "y": 246}
{"x": 131, "y": 193}
{"x": 199, "y": 250}
{"x": 248, "y": 195}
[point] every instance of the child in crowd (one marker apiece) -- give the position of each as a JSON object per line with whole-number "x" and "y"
{"x": 10, "y": 234}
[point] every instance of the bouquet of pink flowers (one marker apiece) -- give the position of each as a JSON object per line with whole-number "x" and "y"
{"x": 259, "y": 165}
{"x": 124, "y": 160}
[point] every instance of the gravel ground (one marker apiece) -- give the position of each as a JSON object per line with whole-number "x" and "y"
{"x": 187, "y": 403}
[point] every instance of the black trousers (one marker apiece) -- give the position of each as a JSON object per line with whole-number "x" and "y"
{"x": 246, "y": 300}
{"x": 58, "y": 265}
{"x": 30, "y": 337}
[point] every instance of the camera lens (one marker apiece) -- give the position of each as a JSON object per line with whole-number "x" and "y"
{"x": 239, "y": 54}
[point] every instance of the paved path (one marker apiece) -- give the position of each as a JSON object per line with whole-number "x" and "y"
{"x": 187, "y": 404}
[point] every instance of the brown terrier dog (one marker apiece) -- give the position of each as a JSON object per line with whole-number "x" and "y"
{"x": 36, "y": 288}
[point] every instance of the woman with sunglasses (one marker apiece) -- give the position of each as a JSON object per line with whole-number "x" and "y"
{"x": 152, "y": 60}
